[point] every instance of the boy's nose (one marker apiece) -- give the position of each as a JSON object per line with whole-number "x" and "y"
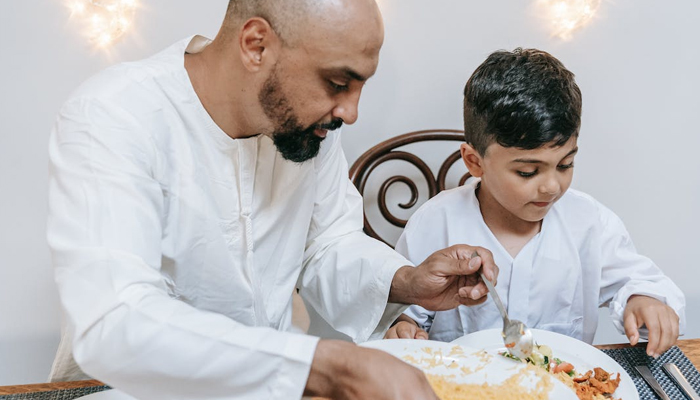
{"x": 550, "y": 186}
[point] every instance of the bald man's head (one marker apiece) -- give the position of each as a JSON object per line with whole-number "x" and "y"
{"x": 291, "y": 19}
{"x": 306, "y": 60}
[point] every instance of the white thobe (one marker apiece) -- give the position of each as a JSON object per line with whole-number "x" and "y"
{"x": 582, "y": 258}
{"x": 177, "y": 248}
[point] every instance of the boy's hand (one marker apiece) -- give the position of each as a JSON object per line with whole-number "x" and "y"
{"x": 406, "y": 328}
{"x": 660, "y": 319}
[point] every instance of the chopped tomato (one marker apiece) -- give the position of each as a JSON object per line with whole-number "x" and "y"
{"x": 563, "y": 367}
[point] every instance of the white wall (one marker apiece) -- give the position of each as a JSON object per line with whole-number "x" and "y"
{"x": 636, "y": 64}
{"x": 42, "y": 59}
{"x": 638, "y": 68}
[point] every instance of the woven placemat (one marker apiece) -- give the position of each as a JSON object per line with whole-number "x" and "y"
{"x": 630, "y": 356}
{"x": 627, "y": 357}
{"x": 64, "y": 394}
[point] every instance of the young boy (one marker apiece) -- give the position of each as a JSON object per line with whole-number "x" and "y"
{"x": 561, "y": 254}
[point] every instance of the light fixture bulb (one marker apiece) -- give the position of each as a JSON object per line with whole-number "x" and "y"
{"x": 106, "y": 21}
{"x": 567, "y": 16}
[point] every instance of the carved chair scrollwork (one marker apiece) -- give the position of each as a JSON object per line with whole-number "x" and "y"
{"x": 389, "y": 150}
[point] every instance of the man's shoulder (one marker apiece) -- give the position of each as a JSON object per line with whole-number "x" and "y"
{"x": 120, "y": 83}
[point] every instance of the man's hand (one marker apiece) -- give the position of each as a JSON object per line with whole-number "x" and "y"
{"x": 660, "y": 319}
{"x": 446, "y": 279}
{"x": 344, "y": 371}
{"x": 405, "y": 328}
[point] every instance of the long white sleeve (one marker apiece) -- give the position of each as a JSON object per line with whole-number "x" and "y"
{"x": 625, "y": 273}
{"x": 582, "y": 246}
{"x": 347, "y": 275}
{"x": 130, "y": 329}
{"x": 407, "y": 247}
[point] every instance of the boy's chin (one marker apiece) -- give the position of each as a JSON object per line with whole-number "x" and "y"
{"x": 534, "y": 216}
{"x": 533, "y": 220}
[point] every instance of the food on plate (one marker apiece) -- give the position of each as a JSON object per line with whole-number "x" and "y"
{"x": 542, "y": 357}
{"x": 593, "y": 385}
{"x": 510, "y": 389}
{"x": 516, "y": 387}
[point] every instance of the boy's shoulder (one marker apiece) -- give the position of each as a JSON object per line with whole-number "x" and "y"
{"x": 581, "y": 207}
{"x": 447, "y": 199}
{"x": 449, "y": 207}
{"x": 446, "y": 215}
{"x": 577, "y": 198}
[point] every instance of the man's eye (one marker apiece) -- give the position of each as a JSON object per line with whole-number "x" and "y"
{"x": 565, "y": 166}
{"x": 527, "y": 174}
{"x": 338, "y": 87}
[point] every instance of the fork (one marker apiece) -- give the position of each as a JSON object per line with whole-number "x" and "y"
{"x": 516, "y": 335}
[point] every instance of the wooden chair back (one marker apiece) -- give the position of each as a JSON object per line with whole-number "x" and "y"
{"x": 389, "y": 149}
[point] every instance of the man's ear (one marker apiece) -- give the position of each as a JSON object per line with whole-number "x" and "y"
{"x": 472, "y": 159}
{"x": 258, "y": 44}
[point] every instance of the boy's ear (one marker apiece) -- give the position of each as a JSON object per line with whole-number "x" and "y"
{"x": 472, "y": 159}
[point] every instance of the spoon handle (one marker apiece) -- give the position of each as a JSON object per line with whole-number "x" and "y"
{"x": 496, "y": 299}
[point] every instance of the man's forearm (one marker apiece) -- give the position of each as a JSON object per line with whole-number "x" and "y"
{"x": 332, "y": 360}
{"x": 401, "y": 288}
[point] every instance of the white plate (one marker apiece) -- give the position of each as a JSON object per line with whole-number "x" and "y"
{"x": 111, "y": 394}
{"x": 436, "y": 358}
{"x": 583, "y": 356}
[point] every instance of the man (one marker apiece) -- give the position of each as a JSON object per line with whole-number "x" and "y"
{"x": 191, "y": 192}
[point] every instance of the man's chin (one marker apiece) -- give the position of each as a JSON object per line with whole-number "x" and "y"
{"x": 300, "y": 146}
{"x": 299, "y": 156}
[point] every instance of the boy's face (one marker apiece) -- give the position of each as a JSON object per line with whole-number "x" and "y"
{"x": 522, "y": 183}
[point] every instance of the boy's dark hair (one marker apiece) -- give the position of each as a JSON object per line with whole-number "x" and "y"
{"x": 525, "y": 99}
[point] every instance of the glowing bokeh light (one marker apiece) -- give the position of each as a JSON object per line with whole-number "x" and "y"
{"x": 105, "y": 20}
{"x": 567, "y": 16}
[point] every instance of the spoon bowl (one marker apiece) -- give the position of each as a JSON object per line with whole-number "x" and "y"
{"x": 516, "y": 335}
{"x": 517, "y": 338}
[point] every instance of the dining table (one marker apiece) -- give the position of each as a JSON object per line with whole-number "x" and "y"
{"x": 689, "y": 347}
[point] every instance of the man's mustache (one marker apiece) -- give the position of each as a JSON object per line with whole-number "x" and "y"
{"x": 331, "y": 126}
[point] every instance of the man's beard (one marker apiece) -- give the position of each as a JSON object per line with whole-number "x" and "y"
{"x": 291, "y": 139}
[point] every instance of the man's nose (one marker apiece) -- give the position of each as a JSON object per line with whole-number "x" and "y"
{"x": 346, "y": 109}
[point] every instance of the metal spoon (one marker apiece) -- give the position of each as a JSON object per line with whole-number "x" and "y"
{"x": 516, "y": 335}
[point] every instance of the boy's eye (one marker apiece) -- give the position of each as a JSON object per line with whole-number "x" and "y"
{"x": 338, "y": 87}
{"x": 527, "y": 174}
